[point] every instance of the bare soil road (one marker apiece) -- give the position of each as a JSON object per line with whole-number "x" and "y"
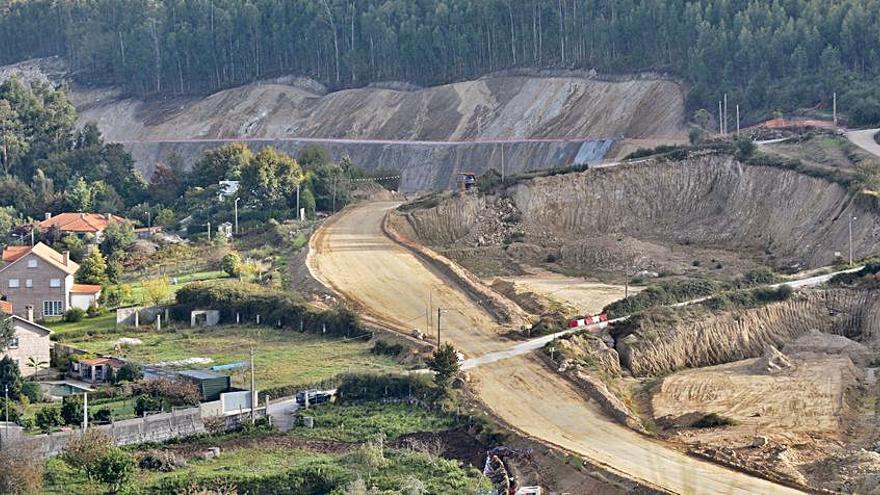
{"x": 351, "y": 255}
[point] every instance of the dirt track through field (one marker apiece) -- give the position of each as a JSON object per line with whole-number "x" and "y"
{"x": 352, "y": 255}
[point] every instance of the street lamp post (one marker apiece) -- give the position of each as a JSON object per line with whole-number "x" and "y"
{"x": 851, "y": 219}
{"x": 236, "y": 215}
{"x": 149, "y": 220}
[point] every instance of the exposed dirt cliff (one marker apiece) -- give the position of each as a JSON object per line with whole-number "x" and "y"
{"x": 709, "y": 210}
{"x": 449, "y": 123}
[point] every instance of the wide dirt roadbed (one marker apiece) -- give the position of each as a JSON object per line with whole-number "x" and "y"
{"x": 352, "y": 255}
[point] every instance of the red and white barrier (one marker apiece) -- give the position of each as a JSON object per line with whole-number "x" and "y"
{"x": 586, "y": 321}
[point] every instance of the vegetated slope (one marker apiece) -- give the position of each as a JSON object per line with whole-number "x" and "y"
{"x": 631, "y": 216}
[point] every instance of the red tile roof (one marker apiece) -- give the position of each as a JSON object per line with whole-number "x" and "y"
{"x": 47, "y": 254}
{"x": 80, "y": 222}
{"x": 85, "y": 289}
{"x": 12, "y": 253}
{"x": 6, "y": 307}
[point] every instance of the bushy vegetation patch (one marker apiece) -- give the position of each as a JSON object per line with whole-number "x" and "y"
{"x": 274, "y": 308}
{"x": 663, "y": 294}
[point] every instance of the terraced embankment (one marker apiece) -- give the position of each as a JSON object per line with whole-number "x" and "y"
{"x": 657, "y": 215}
{"x": 426, "y": 133}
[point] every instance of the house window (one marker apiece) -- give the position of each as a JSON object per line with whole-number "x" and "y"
{"x": 55, "y": 282}
{"x": 28, "y": 283}
{"x": 32, "y": 263}
{"x": 13, "y": 283}
{"x": 53, "y": 308}
{"x": 13, "y": 343}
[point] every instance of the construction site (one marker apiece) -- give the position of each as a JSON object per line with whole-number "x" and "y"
{"x": 681, "y": 319}
{"x": 784, "y": 389}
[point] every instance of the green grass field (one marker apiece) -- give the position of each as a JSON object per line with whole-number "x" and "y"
{"x": 264, "y": 462}
{"x": 361, "y": 422}
{"x": 281, "y": 357}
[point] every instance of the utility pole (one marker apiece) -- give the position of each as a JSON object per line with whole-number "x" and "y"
{"x": 236, "y": 214}
{"x": 725, "y": 113}
{"x": 85, "y": 411}
{"x": 32, "y": 237}
{"x": 851, "y": 219}
{"x": 6, "y": 407}
{"x": 720, "y": 119}
{"x": 297, "y": 203}
{"x": 737, "y": 120}
{"x": 834, "y": 108}
{"x": 334, "y": 193}
{"x": 439, "y": 312}
{"x": 209, "y": 231}
{"x": 253, "y": 390}
{"x": 149, "y": 220}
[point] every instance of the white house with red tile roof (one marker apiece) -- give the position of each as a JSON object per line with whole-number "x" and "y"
{"x": 42, "y": 280}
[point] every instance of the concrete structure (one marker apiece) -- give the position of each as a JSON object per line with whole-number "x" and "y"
{"x": 39, "y": 278}
{"x": 80, "y": 224}
{"x": 204, "y": 318}
{"x": 31, "y": 341}
{"x": 95, "y": 370}
{"x": 225, "y": 229}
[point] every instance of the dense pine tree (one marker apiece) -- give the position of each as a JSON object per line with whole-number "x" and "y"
{"x": 767, "y": 55}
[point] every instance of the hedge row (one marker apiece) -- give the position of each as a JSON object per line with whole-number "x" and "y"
{"x": 248, "y": 301}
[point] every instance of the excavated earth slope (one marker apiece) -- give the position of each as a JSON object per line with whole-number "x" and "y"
{"x": 690, "y": 338}
{"x": 604, "y": 219}
{"x": 595, "y": 113}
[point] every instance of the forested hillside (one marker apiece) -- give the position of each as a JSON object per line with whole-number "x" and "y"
{"x": 767, "y": 55}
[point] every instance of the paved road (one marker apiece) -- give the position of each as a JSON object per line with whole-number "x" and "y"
{"x": 865, "y": 140}
{"x": 282, "y": 413}
{"x": 351, "y": 255}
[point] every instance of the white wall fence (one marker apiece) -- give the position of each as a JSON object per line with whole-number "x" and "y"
{"x": 153, "y": 428}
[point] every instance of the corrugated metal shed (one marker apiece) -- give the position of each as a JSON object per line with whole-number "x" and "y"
{"x": 210, "y": 384}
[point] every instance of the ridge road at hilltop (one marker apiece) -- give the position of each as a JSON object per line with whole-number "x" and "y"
{"x": 352, "y": 255}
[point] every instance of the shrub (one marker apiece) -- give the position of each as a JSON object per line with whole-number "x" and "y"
{"x": 231, "y": 264}
{"x": 383, "y": 348}
{"x": 176, "y": 392}
{"x": 83, "y": 451}
{"x": 94, "y": 311}
{"x": 48, "y": 418}
{"x": 250, "y": 300}
{"x": 102, "y": 416}
{"x": 72, "y": 409}
{"x": 14, "y": 415}
{"x": 129, "y": 372}
{"x": 444, "y": 364}
{"x": 74, "y": 315}
{"x": 369, "y": 387}
{"x": 665, "y": 293}
{"x": 712, "y": 420}
{"x": 21, "y": 470}
{"x": 32, "y": 391}
{"x": 161, "y": 460}
{"x": 145, "y": 404}
{"x": 115, "y": 468}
